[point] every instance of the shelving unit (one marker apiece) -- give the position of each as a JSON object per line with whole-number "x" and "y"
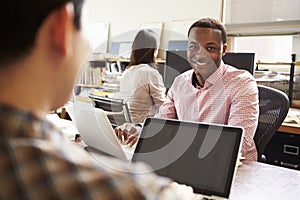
{"x": 291, "y": 74}
{"x": 283, "y": 148}
{"x": 102, "y": 71}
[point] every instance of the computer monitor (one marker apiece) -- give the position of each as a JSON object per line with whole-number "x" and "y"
{"x": 114, "y": 49}
{"x": 177, "y": 63}
{"x": 240, "y": 60}
{"x": 177, "y": 45}
{"x": 122, "y": 49}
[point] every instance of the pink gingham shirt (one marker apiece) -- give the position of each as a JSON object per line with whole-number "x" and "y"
{"x": 229, "y": 96}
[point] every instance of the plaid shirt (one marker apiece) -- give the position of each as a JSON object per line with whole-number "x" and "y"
{"x": 37, "y": 162}
{"x": 229, "y": 96}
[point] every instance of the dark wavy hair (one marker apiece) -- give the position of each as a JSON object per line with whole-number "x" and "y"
{"x": 20, "y": 21}
{"x": 211, "y": 23}
{"x": 143, "y": 48}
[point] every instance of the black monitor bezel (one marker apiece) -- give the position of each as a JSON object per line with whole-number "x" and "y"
{"x": 238, "y": 131}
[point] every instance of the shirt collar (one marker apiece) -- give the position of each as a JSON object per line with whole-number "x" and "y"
{"x": 213, "y": 79}
{"x": 217, "y": 75}
{"x": 194, "y": 81}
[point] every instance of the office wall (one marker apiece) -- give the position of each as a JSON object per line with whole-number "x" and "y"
{"x": 127, "y": 15}
{"x": 296, "y": 48}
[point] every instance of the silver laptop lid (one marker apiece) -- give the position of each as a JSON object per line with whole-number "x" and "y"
{"x": 96, "y": 130}
{"x": 200, "y": 155}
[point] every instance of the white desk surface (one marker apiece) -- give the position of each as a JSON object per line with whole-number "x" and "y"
{"x": 253, "y": 180}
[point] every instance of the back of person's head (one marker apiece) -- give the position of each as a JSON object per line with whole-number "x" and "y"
{"x": 211, "y": 23}
{"x": 145, "y": 44}
{"x": 20, "y": 21}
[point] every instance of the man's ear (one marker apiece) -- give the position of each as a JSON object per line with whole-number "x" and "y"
{"x": 63, "y": 29}
{"x": 224, "y": 49}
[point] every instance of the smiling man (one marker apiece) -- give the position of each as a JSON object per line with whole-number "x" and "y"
{"x": 211, "y": 91}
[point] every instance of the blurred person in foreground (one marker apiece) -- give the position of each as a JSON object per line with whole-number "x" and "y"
{"x": 42, "y": 47}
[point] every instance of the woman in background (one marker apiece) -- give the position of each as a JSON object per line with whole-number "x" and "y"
{"x": 141, "y": 85}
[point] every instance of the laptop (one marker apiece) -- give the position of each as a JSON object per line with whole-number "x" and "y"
{"x": 203, "y": 156}
{"x": 97, "y": 132}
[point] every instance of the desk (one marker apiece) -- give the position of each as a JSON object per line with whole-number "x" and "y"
{"x": 102, "y": 93}
{"x": 66, "y": 126}
{"x": 290, "y": 124}
{"x": 256, "y": 180}
{"x": 284, "y": 147}
{"x": 253, "y": 180}
{"x": 290, "y": 128}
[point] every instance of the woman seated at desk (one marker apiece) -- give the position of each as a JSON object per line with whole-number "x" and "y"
{"x": 141, "y": 85}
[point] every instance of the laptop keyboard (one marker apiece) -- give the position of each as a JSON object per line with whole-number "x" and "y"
{"x": 128, "y": 151}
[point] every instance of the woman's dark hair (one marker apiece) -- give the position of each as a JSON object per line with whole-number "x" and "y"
{"x": 143, "y": 48}
{"x": 20, "y": 20}
{"x": 211, "y": 23}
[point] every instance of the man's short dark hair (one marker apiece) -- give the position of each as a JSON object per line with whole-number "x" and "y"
{"x": 20, "y": 21}
{"x": 211, "y": 23}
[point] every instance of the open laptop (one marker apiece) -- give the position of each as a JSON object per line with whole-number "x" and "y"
{"x": 97, "y": 132}
{"x": 200, "y": 155}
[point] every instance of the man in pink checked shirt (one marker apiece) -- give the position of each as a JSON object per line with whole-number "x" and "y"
{"x": 211, "y": 91}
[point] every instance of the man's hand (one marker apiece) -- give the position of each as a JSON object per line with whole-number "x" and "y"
{"x": 128, "y": 133}
{"x": 183, "y": 191}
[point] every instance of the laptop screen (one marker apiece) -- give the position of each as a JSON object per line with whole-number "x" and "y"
{"x": 203, "y": 156}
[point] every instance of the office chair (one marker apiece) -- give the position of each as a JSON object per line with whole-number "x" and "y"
{"x": 116, "y": 109}
{"x": 273, "y": 108}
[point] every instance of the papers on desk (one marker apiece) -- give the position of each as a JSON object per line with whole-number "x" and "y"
{"x": 66, "y": 126}
{"x": 293, "y": 116}
{"x": 268, "y": 76}
{"x": 101, "y": 93}
{"x": 241, "y": 158}
{"x": 54, "y": 118}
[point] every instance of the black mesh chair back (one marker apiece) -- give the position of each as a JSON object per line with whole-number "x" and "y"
{"x": 273, "y": 108}
{"x": 116, "y": 109}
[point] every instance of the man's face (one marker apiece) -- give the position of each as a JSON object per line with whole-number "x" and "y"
{"x": 79, "y": 49}
{"x": 205, "y": 50}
